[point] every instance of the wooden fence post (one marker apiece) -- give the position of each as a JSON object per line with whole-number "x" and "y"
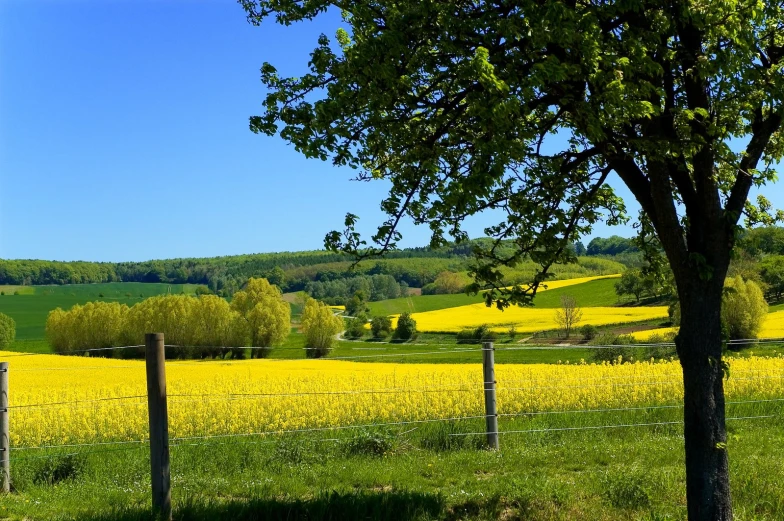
{"x": 491, "y": 414}
{"x": 155, "y": 358}
{"x": 5, "y": 440}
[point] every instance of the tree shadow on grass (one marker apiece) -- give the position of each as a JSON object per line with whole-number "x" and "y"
{"x": 334, "y": 506}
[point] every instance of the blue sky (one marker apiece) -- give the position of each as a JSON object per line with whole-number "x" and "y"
{"x": 124, "y": 136}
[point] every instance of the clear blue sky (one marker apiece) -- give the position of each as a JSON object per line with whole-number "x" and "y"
{"x": 124, "y": 136}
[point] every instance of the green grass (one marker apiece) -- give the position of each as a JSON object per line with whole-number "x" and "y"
{"x": 776, "y": 307}
{"x": 412, "y": 473}
{"x": 588, "y": 294}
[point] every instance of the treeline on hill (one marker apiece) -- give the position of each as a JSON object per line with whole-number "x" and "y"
{"x": 413, "y": 267}
{"x": 290, "y": 271}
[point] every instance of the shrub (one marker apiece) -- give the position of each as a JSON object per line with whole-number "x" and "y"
{"x": 743, "y": 309}
{"x": 355, "y": 327}
{"x": 589, "y": 332}
{"x": 320, "y": 326}
{"x": 100, "y": 295}
{"x": 406, "y": 327}
{"x": 17, "y": 292}
{"x": 512, "y": 332}
{"x": 7, "y": 331}
{"x": 203, "y": 290}
{"x": 381, "y": 327}
{"x": 482, "y": 333}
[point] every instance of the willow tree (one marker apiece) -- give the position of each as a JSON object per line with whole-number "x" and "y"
{"x": 526, "y": 108}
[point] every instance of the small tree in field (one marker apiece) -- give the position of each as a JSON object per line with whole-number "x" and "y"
{"x": 743, "y": 309}
{"x": 7, "y": 331}
{"x": 320, "y": 326}
{"x": 406, "y": 327}
{"x": 267, "y": 315}
{"x": 381, "y": 327}
{"x": 568, "y": 315}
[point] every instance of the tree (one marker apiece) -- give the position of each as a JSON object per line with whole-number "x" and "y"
{"x": 7, "y": 330}
{"x": 320, "y": 326}
{"x": 355, "y": 327}
{"x": 527, "y": 108}
{"x": 743, "y": 309}
{"x": 406, "y": 327}
{"x": 772, "y": 273}
{"x": 381, "y": 326}
{"x": 448, "y": 282}
{"x": 633, "y": 282}
{"x": 356, "y": 305}
{"x": 267, "y": 315}
{"x": 568, "y": 315}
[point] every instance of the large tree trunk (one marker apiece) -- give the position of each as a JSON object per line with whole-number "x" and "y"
{"x": 699, "y": 348}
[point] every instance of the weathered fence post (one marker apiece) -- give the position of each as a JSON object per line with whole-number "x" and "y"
{"x": 5, "y": 440}
{"x": 491, "y": 415}
{"x": 159, "y": 424}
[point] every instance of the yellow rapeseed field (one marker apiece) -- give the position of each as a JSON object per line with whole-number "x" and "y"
{"x": 643, "y": 336}
{"x": 556, "y": 284}
{"x": 773, "y": 327}
{"x": 526, "y": 319}
{"x": 257, "y": 396}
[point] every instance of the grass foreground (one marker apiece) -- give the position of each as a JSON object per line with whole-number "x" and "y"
{"x": 405, "y": 474}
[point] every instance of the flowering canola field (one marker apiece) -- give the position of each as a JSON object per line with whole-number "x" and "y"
{"x": 258, "y": 396}
{"x": 773, "y": 327}
{"x": 526, "y": 319}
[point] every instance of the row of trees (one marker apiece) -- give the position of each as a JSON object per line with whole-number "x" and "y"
{"x": 371, "y": 287}
{"x": 257, "y": 317}
{"x": 381, "y": 327}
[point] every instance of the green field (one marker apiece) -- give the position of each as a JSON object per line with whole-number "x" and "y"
{"x": 588, "y": 294}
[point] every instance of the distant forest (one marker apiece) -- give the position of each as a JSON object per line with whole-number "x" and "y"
{"x": 318, "y": 271}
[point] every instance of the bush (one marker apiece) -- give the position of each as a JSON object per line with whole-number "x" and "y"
{"x": 7, "y": 331}
{"x": 482, "y": 333}
{"x": 406, "y": 327}
{"x": 355, "y": 327}
{"x": 320, "y": 326}
{"x": 589, "y": 331}
{"x": 381, "y": 327}
{"x": 743, "y": 309}
{"x": 512, "y": 332}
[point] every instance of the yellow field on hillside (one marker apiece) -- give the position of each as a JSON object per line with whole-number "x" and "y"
{"x": 259, "y": 396}
{"x": 526, "y": 319}
{"x": 643, "y": 336}
{"x": 556, "y": 284}
{"x": 773, "y": 327}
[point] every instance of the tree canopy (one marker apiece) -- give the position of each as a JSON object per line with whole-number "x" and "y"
{"x": 527, "y": 108}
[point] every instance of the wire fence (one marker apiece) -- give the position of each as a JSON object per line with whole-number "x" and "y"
{"x": 529, "y": 421}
